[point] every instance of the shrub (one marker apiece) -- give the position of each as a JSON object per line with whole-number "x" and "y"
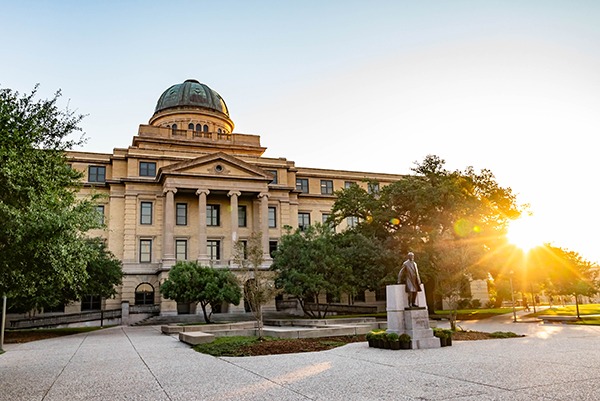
{"x": 447, "y": 333}
{"x": 379, "y": 335}
{"x": 476, "y": 304}
{"x": 503, "y": 334}
{"x": 369, "y": 335}
{"x": 404, "y": 338}
{"x": 440, "y": 333}
{"x": 391, "y": 337}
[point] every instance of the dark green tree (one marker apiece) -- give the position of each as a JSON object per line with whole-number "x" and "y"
{"x": 192, "y": 282}
{"x": 310, "y": 264}
{"x": 42, "y": 220}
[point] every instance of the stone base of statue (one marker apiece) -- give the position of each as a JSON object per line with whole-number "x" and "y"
{"x": 401, "y": 318}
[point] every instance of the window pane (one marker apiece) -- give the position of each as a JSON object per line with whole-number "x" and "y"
{"x": 97, "y": 174}
{"x": 181, "y": 214}
{"x": 352, "y": 221}
{"x": 100, "y": 210}
{"x": 272, "y": 217}
{"x": 272, "y": 247}
{"x": 145, "y": 251}
{"x": 181, "y": 250}
{"x": 213, "y": 249}
{"x": 212, "y": 215}
{"x": 242, "y": 216}
{"x": 147, "y": 169}
{"x": 326, "y": 187}
{"x": 348, "y": 184}
{"x": 198, "y": 127}
{"x": 274, "y": 172}
{"x": 302, "y": 184}
{"x": 205, "y": 128}
{"x": 146, "y": 213}
{"x": 144, "y": 294}
{"x": 303, "y": 220}
{"x": 373, "y": 188}
{"x": 191, "y": 126}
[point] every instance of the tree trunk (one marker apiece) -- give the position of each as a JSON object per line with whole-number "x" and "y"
{"x": 206, "y": 317}
{"x": 260, "y": 323}
{"x": 577, "y": 305}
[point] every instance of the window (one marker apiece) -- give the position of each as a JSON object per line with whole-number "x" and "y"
{"x": 91, "y": 302}
{"x": 219, "y": 130}
{"x": 174, "y": 127}
{"x": 205, "y": 128}
{"x": 380, "y": 294}
{"x": 352, "y": 221}
{"x": 97, "y": 174}
{"x": 303, "y": 221}
{"x": 245, "y": 247}
{"x": 373, "y": 188}
{"x": 274, "y": 172}
{"x": 144, "y": 294}
{"x": 272, "y": 217}
{"x": 349, "y": 184}
{"x": 213, "y": 248}
{"x": 326, "y": 187}
{"x": 181, "y": 249}
{"x": 145, "y": 251}
{"x": 198, "y": 127}
{"x": 272, "y": 247}
{"x": 360, "y": 297}
{"x": 212, "y": 215}
{"x": 181, "y": 214}
{"x": 326, "y": 216}
{"x": 100, "y": 210}
{"x": 146, "y": 213}
{"x": 302, "y": 184}
{"x": 147, "y": 169}
{"x": 191, "y": 126}
{"x": 242, "y": 216}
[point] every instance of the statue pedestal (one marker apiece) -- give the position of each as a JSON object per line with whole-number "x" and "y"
{"x": 412, "y": 321}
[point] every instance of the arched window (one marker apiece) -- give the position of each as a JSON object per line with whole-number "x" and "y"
{"x": 205, "y": 128}
{"x": 168, "y": 126}
{"x": 191, "y": 126}
{"x": 219, "y": 131}
{"x": 174, "y": 126}
{"x": 144, "y": 294}
{"x": 198, "y": 127}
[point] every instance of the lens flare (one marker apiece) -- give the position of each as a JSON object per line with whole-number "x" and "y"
{"x": 395, "y": 221}
{"x": 369, "y": 219}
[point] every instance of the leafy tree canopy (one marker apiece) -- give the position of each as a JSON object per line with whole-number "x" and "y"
{"x": 42, "y": 221}
{"x": 191, "y": 282}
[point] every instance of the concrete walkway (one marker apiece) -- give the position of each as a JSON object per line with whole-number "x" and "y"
{"x": 553, "y": 362}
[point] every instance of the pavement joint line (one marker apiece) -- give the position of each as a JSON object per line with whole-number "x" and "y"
{"x": 267, "y": 379}
{"x": 145, "y": 364}
{"x": 64, "y": 367}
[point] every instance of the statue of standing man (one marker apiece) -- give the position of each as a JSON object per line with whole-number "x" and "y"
{"x": 410, "y": 275}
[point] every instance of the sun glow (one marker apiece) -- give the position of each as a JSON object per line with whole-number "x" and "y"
{"x": 525, "y": 233}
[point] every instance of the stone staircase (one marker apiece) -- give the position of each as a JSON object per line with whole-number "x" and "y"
{"x": 217, "y": 317}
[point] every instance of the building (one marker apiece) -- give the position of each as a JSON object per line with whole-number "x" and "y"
{"x": 188, "y": 187}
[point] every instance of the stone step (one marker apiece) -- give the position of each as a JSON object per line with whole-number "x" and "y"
{"x": 196, "y": 337}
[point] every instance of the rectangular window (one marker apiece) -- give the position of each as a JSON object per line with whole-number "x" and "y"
{"x": 326, "y": 187}
{"x": 97, "y": 174}
{"x": 380, "y": 294}
{"x": 274, "y": 172}
{"x": 181, "y": 249}
{"x": 212, "y": 215}
{"x": 272, "y": 217}
{"x": 373, "y": 188}
{"x": 145, "y": 250}
{"x": 360, "y": 297}
{"x": 302, "y": 185}
{"x": 245, "y": 246}
{"x": 100, "y": 210}
{"x": 272, "y": 247}
{"x": 146, "y": 213}
{"x": 91, "y": 302}
{"x": 352, "y": 221}
{"x": 348, "y": 184}
{"x": 213, "y": 248}
{"x": 147, "y": 169}
{"x": 303, "y": 221}
{"x": 182, "y": 214}
{"x": 242, "y": 216}
{"x": 325, "y": 217}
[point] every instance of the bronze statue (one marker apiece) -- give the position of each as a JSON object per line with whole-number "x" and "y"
{"x": 410, "y": 275}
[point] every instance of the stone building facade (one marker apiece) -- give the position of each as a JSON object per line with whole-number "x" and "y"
{"x": 188, "y": 187}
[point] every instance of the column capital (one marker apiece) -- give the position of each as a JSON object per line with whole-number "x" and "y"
{"x": 202, "y": 191}
{"x": 264, "y": 195}
{"x": 168, "y": 189}
{"x": 233, "y": 193}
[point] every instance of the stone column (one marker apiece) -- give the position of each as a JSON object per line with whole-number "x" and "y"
{"x": 202, "y": 233}
{"x": 264, "y": 223}
{"x": 124, "y": 313}
{"x": 168, "y": 258}
{"x": 233, "y": 202}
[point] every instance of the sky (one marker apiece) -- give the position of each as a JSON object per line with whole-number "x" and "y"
{"x": 509, "y": 86}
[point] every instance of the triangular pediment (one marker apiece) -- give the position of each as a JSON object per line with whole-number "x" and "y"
{"x": 217, "y": 164}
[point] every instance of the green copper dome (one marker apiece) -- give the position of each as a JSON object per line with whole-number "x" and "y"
{"x": 191, "y": 93}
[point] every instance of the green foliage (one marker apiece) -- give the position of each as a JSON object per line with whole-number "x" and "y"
{"x": 227, "y": 346}
{"x": 332, "y": 343}
{"x": 42, "y": 221}
{"x": 392, "y": 336}
{"x": 308, "y": 264}
{"x": 503, "y": 334}
{"x": 191, "y": 282}
{"x": 404, "y": 338}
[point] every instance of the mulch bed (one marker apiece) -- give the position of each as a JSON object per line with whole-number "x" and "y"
{"x": 273, "y": 347}
{"x": 18, "y": 337}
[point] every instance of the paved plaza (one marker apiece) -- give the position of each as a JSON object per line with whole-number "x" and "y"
{"x": 554, "y": 362}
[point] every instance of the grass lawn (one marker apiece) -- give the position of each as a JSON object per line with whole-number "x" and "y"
{"x": 474, "y": 314}
{"x": 381, "y": 314}
{"x": 24, "y": 336}
{"x": 588, "y": 321}
{"x": 569, "y": 310}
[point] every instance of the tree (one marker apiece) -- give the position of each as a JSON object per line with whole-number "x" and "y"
{"x": 103, "y": 275}
{"x": 429, "y": 211}
{"x": 310, "y": 264}
{"x": 42, "y": 221}
{"x": 259, "y": 288}
{"x": 191, "y": 282}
